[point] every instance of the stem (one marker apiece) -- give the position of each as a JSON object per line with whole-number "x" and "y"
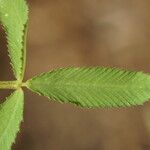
{"x": 9, "y": 85}
{"x": 24, "y": 84}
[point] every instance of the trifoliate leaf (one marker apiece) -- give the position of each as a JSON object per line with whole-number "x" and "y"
{"x": 11, "y": 114}
{"x": 13, "y": 16}
{"x": 93, "y": 87}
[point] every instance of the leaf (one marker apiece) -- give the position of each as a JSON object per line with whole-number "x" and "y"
{"x": 14, "y": 16}
{"x": 93, "y": 87}
{"x": 11, "y": 114}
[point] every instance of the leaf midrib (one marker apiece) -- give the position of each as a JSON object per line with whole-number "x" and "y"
{"x": 85, "y": 85}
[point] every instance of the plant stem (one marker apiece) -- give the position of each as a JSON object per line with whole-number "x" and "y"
{"x": 9, "y": 84}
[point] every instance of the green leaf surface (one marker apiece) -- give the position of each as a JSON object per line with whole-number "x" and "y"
{"x": 11, "y": 114}
{"x": 13, "y": 17}
{"x": 93, "y": 87}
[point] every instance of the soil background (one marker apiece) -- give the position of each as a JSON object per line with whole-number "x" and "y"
{"x": 83, "y": 33}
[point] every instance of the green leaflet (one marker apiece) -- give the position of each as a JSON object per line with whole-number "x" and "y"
{"x": 13, "y": 16}
{"x": 11, "y": 114}
{"x": 93, "y": 87}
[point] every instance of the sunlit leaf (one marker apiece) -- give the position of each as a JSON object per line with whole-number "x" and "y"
{"x": 11, "y": 114}
{"x": 13, "y": 17}
{"x": 93, "y": 87}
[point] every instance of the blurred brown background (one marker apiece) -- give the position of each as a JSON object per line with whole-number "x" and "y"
{"x": 83, "y": 33}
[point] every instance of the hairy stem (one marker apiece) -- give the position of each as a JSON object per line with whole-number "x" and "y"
{"x": 9, "y": 84}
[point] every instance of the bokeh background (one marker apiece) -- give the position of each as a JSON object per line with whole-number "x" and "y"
{"x": 83, "y": 33}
